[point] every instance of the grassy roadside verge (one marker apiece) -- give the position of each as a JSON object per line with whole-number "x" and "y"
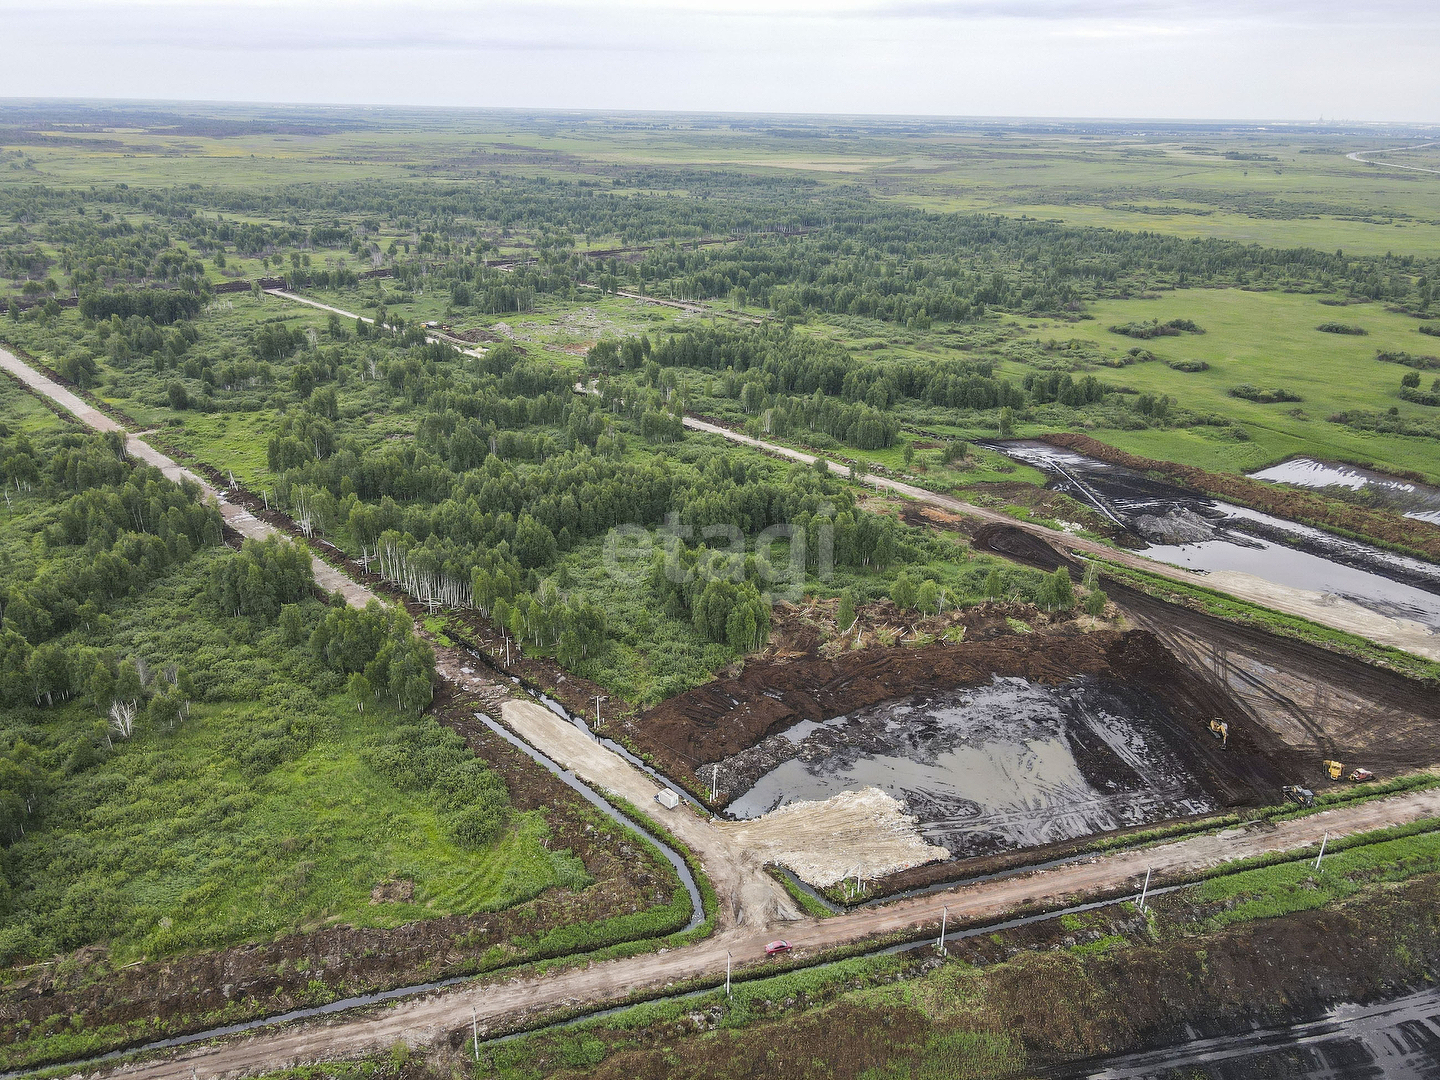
{"x": 810, "y": 903}
{"x": 1364, "y": 870}
{"x": 556, "y": 950}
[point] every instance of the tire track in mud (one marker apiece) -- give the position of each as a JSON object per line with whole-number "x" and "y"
{"x": 1361, "y": 713}
{"x": 1192, "y": 651}
{"x": 1336, "y": 613}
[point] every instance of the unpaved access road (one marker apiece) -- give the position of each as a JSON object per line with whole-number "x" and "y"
{"x": 1363, "y": 157}
{"x": 866, "y": 833}
{"x": 754, "y": 902}
{"x": 237, "y": 517}
{"x": 1322, "y": 608}
{"x": 427, "y": 1020}
{"x": 430, "y": 335}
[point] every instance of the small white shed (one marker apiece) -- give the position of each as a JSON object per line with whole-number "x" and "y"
{"x": 667, "y": 799}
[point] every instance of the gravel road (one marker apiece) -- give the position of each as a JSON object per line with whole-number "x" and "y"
{"x": 1322, "y": 608}
{"x": 756, "y": 905}
{"x": 425, "y": 1020}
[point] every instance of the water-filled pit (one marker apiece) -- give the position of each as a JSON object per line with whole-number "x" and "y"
{"x": 1409, "y": 498}
{"x": 1204, "y": 534}
{"x": 998, "y": 767}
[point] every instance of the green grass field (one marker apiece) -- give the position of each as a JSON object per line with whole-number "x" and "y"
{"x": 257, "y": 815}
{"x": 1269, "y": 340}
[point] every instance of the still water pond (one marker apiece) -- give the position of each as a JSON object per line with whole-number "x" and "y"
{"x": 1409, "y": 498}
{"x": 1200, "y": 533}
{"x": 992, "y": 768}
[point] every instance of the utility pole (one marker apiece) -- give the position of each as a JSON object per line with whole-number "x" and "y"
{"x": 597, "y": 710}
{"x": 475, "y": 1032}
{"x": 714, "y": 781}
{"x": 1144, "y": 889}
{"x": 944, "y": 918}
{"x": 1323, "y": 841}
{"x": 727, "y": 972}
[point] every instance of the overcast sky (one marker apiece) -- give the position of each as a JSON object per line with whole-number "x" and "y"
{"x": 1227, "y": 59}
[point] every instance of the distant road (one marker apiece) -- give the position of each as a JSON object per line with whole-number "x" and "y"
{"x": 237, "y": 517}
{"x": 1327, "y": 610}
{"x": 1362, "y": 157}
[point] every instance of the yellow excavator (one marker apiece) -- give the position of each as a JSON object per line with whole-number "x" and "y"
{"x": 1221, "y": 730}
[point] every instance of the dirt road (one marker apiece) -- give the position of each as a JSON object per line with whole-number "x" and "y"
{"x": 1318, "y": 607}
{"x": 237, "y": 517}
{"x": 867, "y": 833}
{"x": 1363, "y": 157}
{"x": 424, "y": 1021}
{"x": 754, "y": 901}
{"x": 431, "y": 335}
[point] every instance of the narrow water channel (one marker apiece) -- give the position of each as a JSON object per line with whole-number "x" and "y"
{"x": 1203, "y": 534}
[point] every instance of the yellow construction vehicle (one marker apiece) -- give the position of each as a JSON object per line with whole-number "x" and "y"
{"x": 1334, "y": 768}
{"x": 1221, "y": 730}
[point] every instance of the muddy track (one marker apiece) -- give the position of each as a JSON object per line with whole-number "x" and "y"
{"x": 1285, "y": 502}
{"x": 1338, "y": 614}
{"x": 1319, "y": 702}
{"x": 752, "y": 897}
{"x": 433, "y": 1019}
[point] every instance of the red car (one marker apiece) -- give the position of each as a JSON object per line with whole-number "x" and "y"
{"x": 775, "y": 948}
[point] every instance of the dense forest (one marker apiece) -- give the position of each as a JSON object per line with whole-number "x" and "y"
{"x": 798, "y": 247}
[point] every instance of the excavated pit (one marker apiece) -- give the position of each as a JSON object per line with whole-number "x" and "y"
{"x": 991, "y": 768}
{"x": 1017, "y": 741}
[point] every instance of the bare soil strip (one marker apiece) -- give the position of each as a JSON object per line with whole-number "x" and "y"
{"x": 751, "y": 901}
{"x": 865, "y": 832}
{"x": 236, "y": 517}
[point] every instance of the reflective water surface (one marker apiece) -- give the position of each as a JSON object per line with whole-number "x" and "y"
{"x": 1411, "y": 499}
{"x": 997, "y": 767}
{"x": 1200, "y": 533}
